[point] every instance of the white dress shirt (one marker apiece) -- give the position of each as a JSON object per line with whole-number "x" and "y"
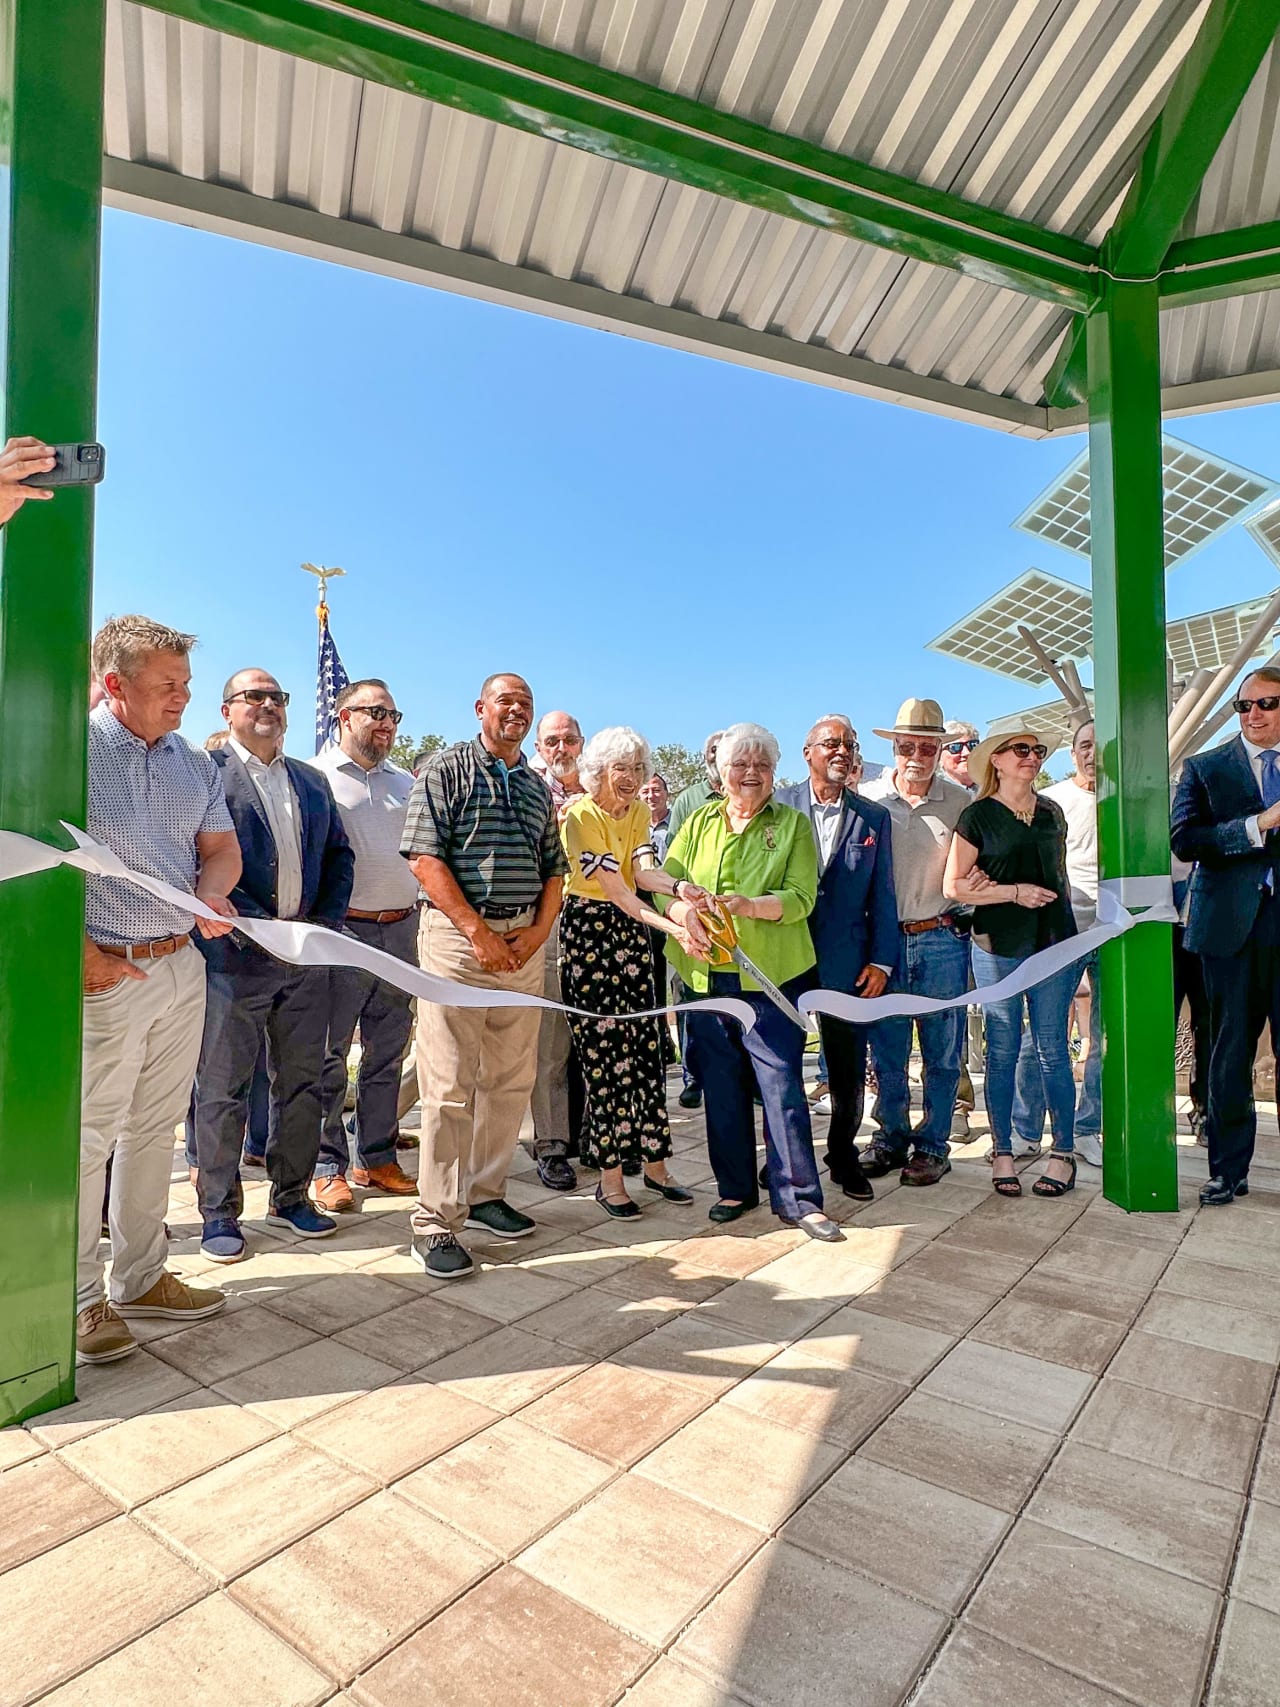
{"x": 284, "y": 817}
{"x": 372, "y": 804}
{"x": 826, "y": 823}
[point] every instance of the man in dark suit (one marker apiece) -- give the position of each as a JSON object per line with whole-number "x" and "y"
{"x": 1225, "y": 816}
{"x": 854, "y": 923}
{"x": 297, "y": 864}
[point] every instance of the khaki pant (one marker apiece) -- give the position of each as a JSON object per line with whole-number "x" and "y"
{"x": 141, "y": 1045}
{"x": 476, "y": 1068}
{"x": 555, "y": 1047}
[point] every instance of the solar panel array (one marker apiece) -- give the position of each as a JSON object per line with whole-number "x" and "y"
{"x": 1203, "y": 495}
{"x": 1211, "y": 639}
{"x": 1058, "y": 613}
{"x": 1050, "y": 721}
{"x": 1265, "y": 528}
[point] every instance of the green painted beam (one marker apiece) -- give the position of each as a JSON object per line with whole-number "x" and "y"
{"x": 1198, "y": 111}
{"x": 51, "y": 70}
{"x": 1127, "y": 527}
{"x": 460, "y": 62}
{"x": 1220, "y": 265}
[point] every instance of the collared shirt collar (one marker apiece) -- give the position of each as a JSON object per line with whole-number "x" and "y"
{"x": 1254, "y": 752}
{"x": 122, "y": 736}
{"x": 825, "y": 805}
{"x": 251, "y": 759}
{"x": 935, "y": 787}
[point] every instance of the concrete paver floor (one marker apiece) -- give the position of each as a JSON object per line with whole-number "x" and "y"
{"x": 983, "y": 1454}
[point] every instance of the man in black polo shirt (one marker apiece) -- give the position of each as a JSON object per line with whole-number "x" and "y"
{"x": 481, "y": 838}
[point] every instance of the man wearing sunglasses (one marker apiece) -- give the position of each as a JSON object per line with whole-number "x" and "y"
{"x": 297, "y": 864}
{"x": 1225, "y": 817}
{"x": 961, "y": 739}
{"x": 372, "y": 796}
{"x": 933, "y": 950}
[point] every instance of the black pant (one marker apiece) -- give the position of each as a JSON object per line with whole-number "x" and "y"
{"x": 1244, "y": 995}
{"x": 845, "y": 1047}
{"x": 289, "y": 1006}
{"x": 383, "y": 1015}
{"x": 1188, "y": 986}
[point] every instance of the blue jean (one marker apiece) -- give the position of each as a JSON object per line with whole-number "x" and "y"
{"x": 732, "y": 1064}
{"x": 1046, "y": 1005}
{"x": 1028, "y": 1097}
{"x": 930, "y": 963}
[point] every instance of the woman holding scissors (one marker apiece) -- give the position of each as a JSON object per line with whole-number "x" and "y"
{"x": 758, "y": 859}
{"x": 605, "y": 967}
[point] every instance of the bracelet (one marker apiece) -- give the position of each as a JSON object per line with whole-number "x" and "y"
{"x": 1017, "y": 891}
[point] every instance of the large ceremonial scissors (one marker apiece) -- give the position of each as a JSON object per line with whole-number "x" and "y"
{"x": 727, "y": 951}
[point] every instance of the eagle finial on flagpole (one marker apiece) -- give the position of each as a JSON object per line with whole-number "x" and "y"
{"x": 324, "y": 576}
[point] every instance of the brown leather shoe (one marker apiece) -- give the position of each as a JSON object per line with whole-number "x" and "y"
{"x": 924, "y": 1169}
{"x": 390, "y": 1178}
{"x": 175, "y": 1300}
{"x": 101, "y": 1337}
{"x": 332, "y": 1193}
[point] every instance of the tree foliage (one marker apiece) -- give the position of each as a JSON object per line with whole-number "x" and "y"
{"x": 680, "y": 765}
{"x": 404, "y": 749}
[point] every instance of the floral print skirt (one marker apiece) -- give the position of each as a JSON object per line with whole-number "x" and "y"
{"x": 606, "y": 967}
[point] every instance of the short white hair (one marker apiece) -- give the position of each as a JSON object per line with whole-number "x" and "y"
{"x": 746, "y": 738}
{"x": 959, "y": 730}
{"x": 831, "y": 717}
{"x": 610, "y": 747}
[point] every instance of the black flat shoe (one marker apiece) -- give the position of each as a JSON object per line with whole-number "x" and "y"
{"x": 669, "y": 1189}
{"x": 1218, "y": 1191}
{"x": 627, "y": 1211}
{"x": 732, "y": 1211}
{"x": 763, "y": 1176}
{"x": 854, "y": 1183}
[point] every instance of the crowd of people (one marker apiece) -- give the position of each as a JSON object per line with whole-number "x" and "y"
{"x": 577, "y": 877}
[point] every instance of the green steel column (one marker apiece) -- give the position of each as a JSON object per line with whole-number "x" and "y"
{"x": 51, "y": 67}
{"x": 1140, "y": 1159}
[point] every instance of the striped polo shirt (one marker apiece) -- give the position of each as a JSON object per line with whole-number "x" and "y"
{"x": 494, "y": 826}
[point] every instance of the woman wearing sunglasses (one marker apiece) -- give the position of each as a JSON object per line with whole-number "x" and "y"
{"x": 1008, "y": 861}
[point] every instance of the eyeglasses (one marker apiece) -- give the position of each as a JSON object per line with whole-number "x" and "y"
{"x": 955, "y": 748}
{"x": 261, "y": 696}
{"x": 1245, "y": 706}
{"x": 909, "y": 749}
{"x": 378, "y": 713}
{"x": 1025, "y": 750}
{"x": 835, "y": 744}
{"x": 749, "y": 765}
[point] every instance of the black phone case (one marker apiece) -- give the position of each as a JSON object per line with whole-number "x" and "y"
{"x": 77, "y": 465}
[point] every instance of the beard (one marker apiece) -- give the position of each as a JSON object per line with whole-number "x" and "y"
{"x": 564, "y": 770}
{"x": 367, "y": 747}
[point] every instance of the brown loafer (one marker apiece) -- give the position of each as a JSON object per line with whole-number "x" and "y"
{"x": 390, "y": 1178}
{"x": 924, "y": 1169}
{"x": 333, "y": 1194}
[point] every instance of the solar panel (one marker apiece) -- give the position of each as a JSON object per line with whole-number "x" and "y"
{"x": 1203, "y": 495}
{"x": 1050, "y": 721}
{"x": 1211, "y": 639}
{"x": 1059, "y": 614}
{"x": 1265, "y": 528}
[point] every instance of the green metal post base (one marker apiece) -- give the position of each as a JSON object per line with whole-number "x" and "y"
{"x": 51, "y": 68}
{"x": 1140, "y": 1169}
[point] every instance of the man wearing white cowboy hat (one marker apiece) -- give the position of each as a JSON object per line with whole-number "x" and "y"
{"x": 933, "y": 950}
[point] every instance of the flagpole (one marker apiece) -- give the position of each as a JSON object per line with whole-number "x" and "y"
{"x": 330, "y": 675}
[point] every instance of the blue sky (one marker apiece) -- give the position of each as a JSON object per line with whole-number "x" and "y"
{"x": 650, "y": 537}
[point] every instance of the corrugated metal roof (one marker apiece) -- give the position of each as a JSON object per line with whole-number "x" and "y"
{"x": 1036, "y": 107}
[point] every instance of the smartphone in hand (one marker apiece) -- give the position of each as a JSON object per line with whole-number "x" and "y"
{"x": 77, "y": 465}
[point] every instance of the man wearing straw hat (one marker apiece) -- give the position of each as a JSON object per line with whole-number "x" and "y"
{"x": 933, "y": 950}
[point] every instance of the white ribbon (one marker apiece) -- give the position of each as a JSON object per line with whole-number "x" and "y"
{"x": 315, "y": 945}
{"x": 310, "y": 945}
{"x": 1115, "y": 896}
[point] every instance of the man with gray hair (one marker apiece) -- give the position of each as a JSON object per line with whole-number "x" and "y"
{"x": 961, "y": 739}
{"x": 557, "y": 1113}
{"x": 159, "y": 805}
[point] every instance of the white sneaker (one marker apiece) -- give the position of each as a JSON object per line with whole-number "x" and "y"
{"x": 1088, "y": 1147}
{"x": 1025, "y": 1146}
{"x": 822, "y": 1104}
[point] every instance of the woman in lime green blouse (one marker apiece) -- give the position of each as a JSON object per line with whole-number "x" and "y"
{"x": 758, "y": 857}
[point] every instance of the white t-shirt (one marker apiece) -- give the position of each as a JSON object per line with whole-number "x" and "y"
{"x": 1081, "y": 808}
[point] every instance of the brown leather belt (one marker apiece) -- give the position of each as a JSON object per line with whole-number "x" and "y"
{"x": 914, "y": 927}
{"x": 392, "y": 915}
{"x": 146, "y": 950}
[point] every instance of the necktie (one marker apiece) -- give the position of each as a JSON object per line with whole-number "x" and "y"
{"x": 1270, "y": 777}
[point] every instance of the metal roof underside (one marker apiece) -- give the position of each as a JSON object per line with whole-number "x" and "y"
{"x": 1038, "y": 108}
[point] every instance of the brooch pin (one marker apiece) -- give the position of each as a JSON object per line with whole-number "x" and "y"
{"x": 769, "y": 840}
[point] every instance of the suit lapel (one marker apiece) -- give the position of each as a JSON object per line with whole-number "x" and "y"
{"x": 1244, "y": 771}
{"x": 299, "y": 784}
{"x": 248, "y": 790}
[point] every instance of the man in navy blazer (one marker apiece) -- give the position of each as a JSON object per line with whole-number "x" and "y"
{"x": 854, "y": 923}
{"x": 1225, "y": 819}
{"x": 296, "y": 864}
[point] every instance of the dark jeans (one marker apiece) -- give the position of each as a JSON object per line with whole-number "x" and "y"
{"x": 844, "y": 1046}
{"x": 732, "y": 1064}
{"x": 383, "y": 1014}
{"x": 258, "y": 1124}
{"x": 1244, "y": 995}
{"x": 930, "y": 963}
{"x": 289, "y": 1007}
{"x": 1188, "y": 986}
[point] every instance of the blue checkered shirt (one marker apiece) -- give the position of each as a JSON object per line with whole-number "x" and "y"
{"x": 148, "y": 805}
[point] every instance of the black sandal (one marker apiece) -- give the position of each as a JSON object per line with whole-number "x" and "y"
{"x": 1005, "y": 1186}
{"x": 1046, "y": 1187}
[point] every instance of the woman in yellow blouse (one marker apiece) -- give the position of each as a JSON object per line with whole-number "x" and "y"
{"x": 605, "y": 967}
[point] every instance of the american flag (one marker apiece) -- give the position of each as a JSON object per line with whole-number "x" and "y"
{"x": 331, "y": 678}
